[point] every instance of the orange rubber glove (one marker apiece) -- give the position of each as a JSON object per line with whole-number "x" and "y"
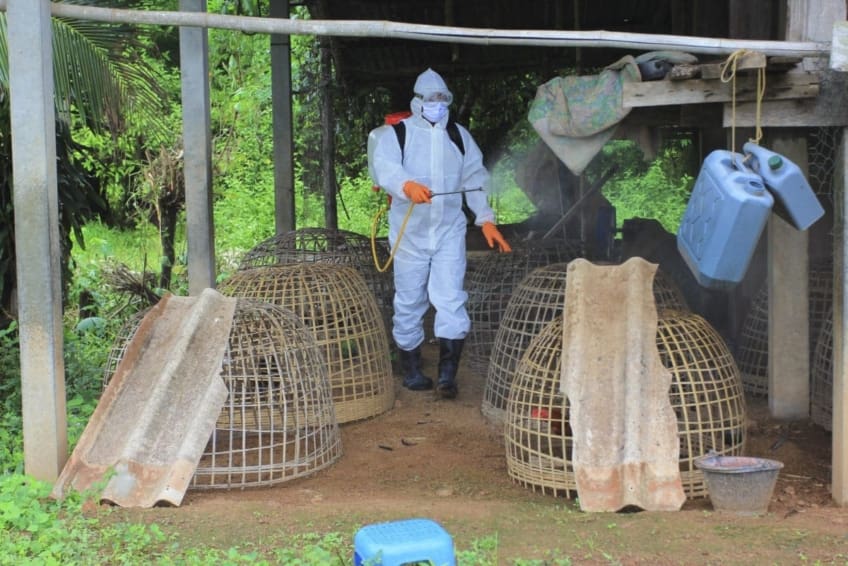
{"x": 416, "y": 192}
{"x": 493, "y": 236}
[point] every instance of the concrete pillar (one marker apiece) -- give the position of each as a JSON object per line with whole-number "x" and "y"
{"x": 281, "y": 92}
{"x": 36, "y": 201}
{"x": 197, "y": 144}
{"x": 789, "y": 319}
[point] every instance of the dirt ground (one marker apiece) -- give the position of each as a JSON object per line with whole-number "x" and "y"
{"x": 443, "y": 460}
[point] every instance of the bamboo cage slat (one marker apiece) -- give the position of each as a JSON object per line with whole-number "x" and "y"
{"x": 324, "y": 245}
{"x": 334, "y": 303}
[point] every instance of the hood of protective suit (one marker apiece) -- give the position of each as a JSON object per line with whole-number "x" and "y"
{"x": 427, "y": 84}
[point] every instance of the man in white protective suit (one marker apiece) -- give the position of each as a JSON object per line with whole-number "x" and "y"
{"x": 428, "y": 162}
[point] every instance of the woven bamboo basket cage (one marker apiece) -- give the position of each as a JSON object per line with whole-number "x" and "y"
{"x": 752, "y": 353}
{"x": 705, "y": 394}
{"x": 821, "y": 385}
{"x": 278, "y": 421}
{"x": 537, "y": 300}
{"x": 490, "y": 288}
{"x": 323, "y": 245}
{"x": 334, "y": 302}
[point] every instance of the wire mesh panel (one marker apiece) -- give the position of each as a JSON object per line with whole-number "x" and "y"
{"x": 539, "y": 298}
{"x": 490, "y": 288}
{"x": 278, "y": 421}
{"x": 322, "y": 245}
{"x": 821, "y": 386}
{"x": 822, "y": 150}
{"x": 333, "y": 301}
{"x": 667, "y": 293}
{"x": 752, "y": 354}
{"x": 119, "y": 345}
{"x": 705, "y": 394}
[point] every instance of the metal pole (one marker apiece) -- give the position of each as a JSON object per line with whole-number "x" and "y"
{"x": 443, "y": 34}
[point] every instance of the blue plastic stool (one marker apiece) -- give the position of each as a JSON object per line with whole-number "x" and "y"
{"x": 403, "y": 542}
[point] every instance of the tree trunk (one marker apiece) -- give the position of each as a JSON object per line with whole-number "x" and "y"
{"x": 167, "y": 236}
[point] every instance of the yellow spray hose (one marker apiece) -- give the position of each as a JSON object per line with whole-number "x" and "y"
{"x": 374, "y": 224}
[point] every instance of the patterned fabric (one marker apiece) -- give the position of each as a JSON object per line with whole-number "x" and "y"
{"x": 576, "y": 116}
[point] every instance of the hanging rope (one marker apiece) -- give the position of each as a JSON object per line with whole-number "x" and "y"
{"x": 730, "y": 64}
{"x": 374, "y": 223}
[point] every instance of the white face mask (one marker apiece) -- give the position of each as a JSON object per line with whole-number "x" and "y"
{"x": 434, "y": 111}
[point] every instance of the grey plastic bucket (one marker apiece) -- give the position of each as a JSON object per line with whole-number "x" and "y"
{"x": 739, "y": 484}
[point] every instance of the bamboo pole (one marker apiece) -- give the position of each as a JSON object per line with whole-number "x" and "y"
{"x": 441, "y": 34}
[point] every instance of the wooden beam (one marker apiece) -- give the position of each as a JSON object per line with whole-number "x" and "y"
{"x": 839, "y": 470}
{"x": 829, "y": 108}
{"x": 746, "y": 62}
{"x": 699, "y": 91}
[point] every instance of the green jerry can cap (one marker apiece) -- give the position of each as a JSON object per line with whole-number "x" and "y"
{"x": 775, "y": 162}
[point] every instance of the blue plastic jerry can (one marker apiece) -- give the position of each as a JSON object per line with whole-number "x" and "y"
{"x": 723, "y": 221}
{"x": 794, "y": 199}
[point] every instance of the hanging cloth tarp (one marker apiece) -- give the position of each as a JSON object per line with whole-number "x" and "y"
{"x": 577, "y": 115}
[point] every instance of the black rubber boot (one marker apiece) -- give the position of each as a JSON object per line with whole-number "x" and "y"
{"x": 449, "y": 354}
{"x": 410, "y": 362}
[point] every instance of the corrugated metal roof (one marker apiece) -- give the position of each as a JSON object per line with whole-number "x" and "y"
{"x": 154, "y": 419}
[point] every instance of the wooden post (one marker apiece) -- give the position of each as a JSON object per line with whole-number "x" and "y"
{"x": 328, "y": 140}
{"x": 813, "y": 20}
{"x": 36, "y": 200}
{"x": 281, "y": 93}
{"x": 839, "y": 472}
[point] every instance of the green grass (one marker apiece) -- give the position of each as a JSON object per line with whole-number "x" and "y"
{"x": 136, "y": 249}
{"x": 41, "y": 530}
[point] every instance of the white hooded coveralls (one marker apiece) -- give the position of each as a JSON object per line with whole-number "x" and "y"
{"x": 429, "y": 265}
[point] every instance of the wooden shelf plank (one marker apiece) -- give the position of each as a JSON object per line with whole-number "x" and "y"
{"x": 746, "y": 62}
{"x": 700, "y": 91}
{"x": 809, "y": 113}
